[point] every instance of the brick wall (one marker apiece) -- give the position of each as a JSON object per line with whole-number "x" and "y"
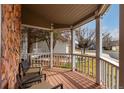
{"x": 11, "y": 34}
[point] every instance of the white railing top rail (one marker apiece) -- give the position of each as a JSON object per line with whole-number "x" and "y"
{"x": 110, "y": 61}
{"x": 61, "y": 53}
{"x": 35, "y": 53}
{"x": 84, "y": 55}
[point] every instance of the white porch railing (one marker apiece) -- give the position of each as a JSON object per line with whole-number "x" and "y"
{"x": 62, "y": 60}
{"x": 37, "y": 60}
{"x": 109, "y": 73}
{"x": 84, "y": 64}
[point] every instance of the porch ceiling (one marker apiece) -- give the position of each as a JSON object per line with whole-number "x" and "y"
{"x": 61, "y": 15}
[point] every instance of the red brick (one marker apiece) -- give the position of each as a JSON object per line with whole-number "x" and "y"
{"x": 10, "y": 42}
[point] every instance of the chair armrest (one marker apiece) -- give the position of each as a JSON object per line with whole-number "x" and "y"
{"x": 58, "y": 86}
{"x": 40, "y": 69}
{"x": 33, "y": 70}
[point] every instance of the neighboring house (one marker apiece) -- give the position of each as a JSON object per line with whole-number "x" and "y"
{"x": 115, "y": 45}
{"x": 115, "y": 48}
{"x": 60, "y": 47}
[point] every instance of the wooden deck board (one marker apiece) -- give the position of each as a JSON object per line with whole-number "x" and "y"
{"x": 69, "y": 79}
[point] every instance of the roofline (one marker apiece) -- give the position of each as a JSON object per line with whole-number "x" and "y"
{"x": 84, "y": 21}
{"x": 101, "y": 10}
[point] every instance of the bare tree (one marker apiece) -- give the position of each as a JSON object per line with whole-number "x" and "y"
{"x": 46, "y": 38}
{"x": 107, "y": 41}
{"x": 85, "y": 38}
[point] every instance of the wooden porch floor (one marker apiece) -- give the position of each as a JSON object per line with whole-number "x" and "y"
{"x": 69, "y": 79}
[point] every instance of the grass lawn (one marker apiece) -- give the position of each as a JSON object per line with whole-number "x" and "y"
{"x": 82, "y": 66}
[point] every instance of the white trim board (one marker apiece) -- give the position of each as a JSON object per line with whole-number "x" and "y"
{"x": 37, "y": 27}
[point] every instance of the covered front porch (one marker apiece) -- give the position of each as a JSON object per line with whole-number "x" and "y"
{"x": 72, "y": 70}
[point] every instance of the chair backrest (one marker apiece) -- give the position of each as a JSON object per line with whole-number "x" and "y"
{"x": 25, "y": 64}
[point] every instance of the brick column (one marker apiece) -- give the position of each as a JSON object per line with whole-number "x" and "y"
{"x": 11, "y": 34}
{"x": 0, "y": 46}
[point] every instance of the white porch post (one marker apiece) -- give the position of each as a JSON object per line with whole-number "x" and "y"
{"x": 25, "y": 45}
{"x": 26, "y": 42}
{"x": 121, "y": 43}
{"x": 73, "y": 49}
{"x": 98, "y": 50}
{"x": 36, "y": 45}
{"x": 51, "y": 47}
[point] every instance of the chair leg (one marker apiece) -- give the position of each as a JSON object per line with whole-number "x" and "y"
{"x": 57, "y": 86}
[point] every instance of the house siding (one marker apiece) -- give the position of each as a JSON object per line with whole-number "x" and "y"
{"x": 60, "y": 47}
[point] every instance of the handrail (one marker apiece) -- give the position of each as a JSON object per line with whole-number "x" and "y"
{"x": 112, "y": 62}
{"x": 85, "y": 55}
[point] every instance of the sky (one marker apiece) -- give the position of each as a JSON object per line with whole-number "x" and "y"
{"x": 109, "y": 22}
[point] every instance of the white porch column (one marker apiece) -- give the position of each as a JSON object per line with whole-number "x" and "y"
{"x": 73, "y": 49}
{"x": 25, "y": 44}
{"x": 121, "y": 43}
{"x": 36, "y": 45}
{"x": 98, "y": 50}
{"x": 51, "y": 47}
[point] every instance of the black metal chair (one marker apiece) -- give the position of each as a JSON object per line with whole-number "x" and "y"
{"x": 42, "y": 85}
{"x": 28, "y": 69}
{"x": 30, "y": 77}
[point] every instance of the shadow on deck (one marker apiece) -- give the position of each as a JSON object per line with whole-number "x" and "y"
{"x": 69, "y": 79}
